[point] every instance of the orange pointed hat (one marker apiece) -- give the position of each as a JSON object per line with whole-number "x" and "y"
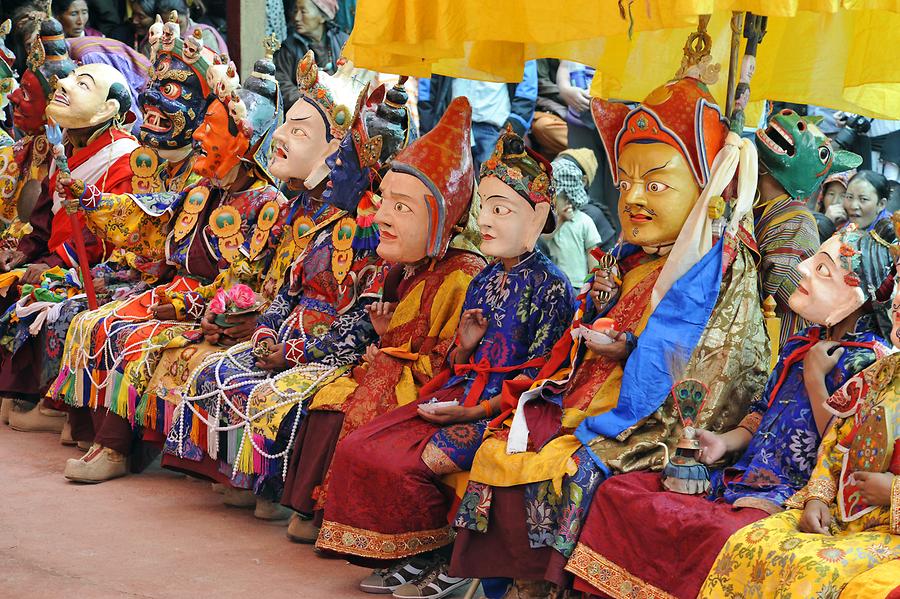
{"x": 442, "y": 160}
{"x": 681, "y": 113}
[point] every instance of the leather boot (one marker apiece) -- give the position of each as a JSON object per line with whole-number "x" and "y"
{"x": 38, "y": 419}
{"x": 302, "y": 530}
{"x": 269, "y": 510}
{"x": 98, "y": 465}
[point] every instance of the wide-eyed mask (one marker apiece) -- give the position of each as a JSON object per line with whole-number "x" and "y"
{"x": 516, "y": 198}
{"x": 402, "y": 218}
{"x": 219, "y": 144}
{"x": 91, "y": 95}
{"x": 509, "y": 224}
{"x": 656, "y": 193}
{"x": 173, "y": 104}
{"x": 29, "y": 103}
{"x": 301, "y": 144}
{"x": 798, "y": 155}
{"x": 829, "y": 290}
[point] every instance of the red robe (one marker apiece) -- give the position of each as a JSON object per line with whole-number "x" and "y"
{"x": 50, "y": 243}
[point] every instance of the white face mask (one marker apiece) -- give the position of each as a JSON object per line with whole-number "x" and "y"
{"x": 823, "y": 295}
{"x": 81, "y": 99}
{"x": 509, "y": 225}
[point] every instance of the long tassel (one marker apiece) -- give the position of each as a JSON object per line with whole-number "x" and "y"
{"x": 169, "y": 416}
{"x": 148, "y": 416}
{"x": 245, "y": 458}
{"x": 195, "y": 430}
{"x": 231, "y": 445}
{"x": 132, "y": 404}
{"x": 212, "y": 445}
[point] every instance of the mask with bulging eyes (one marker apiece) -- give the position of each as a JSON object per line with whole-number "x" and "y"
{"x": 173, "y": 105}
{"x": 219, "y": 144}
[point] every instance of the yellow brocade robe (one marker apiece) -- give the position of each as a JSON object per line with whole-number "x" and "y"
{"x": 771, "y": 558}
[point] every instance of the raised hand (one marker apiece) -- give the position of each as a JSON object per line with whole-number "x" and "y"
{"x": 604, "y": 288}
{"x": 380, "y": 314}
{"x": 472, "y": 327}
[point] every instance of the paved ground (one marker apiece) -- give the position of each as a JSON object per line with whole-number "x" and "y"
{"x": 156, "y": 535}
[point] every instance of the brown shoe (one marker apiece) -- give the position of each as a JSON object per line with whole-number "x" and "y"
{"x": 37, "y": 420}
{"x": 240, "y": 498}
{"x": 5, "y": 409}
{"x": 269, "y": 510}
{"x": 530, "y": 589}
{"x": 301, "y": 530}
{"x": 98, "y": 465}
{"x": 84, "y": 445}
{"x": 65, "y": 437}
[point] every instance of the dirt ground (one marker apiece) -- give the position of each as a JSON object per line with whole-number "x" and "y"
{"x": 153, "y": 535}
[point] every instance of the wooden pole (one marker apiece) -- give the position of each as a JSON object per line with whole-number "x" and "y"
{"x": 737, "y": 19}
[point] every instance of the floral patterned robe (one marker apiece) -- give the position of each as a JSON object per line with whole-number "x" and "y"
{"x": 322, "y": 323}
{"x": 771, "y": 558}
{"x": 112, "y": 352}
{"x": 397, "y": 460}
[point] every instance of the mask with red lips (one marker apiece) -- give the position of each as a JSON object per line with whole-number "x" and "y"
{"x": 218, "y": 143}
{"x": 29, "y": 104}
{"x": 843, "y": 276}
{"x": 173, "y": 104}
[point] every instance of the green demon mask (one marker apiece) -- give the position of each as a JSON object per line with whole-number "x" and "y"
{"x": 796, "y": 152}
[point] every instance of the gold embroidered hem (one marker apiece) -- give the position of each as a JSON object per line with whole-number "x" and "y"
{"x": 895, "y": 505}
{"x": 609, "y": 577}
{"x": 437, "y": 461}
{"x": 822, "y": 489}
{"x": 367, "y": 543}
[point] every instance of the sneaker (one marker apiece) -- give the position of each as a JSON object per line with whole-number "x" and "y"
{"x": 98, "y": 465}
{"x": 302, "y": 530}
{"x": 434, "y": 585}
{"x": 384, "y": 581}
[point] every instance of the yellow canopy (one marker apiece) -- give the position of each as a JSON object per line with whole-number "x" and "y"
{"x": 835, "y": 53}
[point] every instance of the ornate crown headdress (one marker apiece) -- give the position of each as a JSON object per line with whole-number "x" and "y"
{"x": 335, "y": 96}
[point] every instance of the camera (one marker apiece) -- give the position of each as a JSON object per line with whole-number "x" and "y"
{"x": 854, "y": 126}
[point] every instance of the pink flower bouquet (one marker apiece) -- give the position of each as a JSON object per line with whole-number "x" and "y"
{"x": 239, "y": 299}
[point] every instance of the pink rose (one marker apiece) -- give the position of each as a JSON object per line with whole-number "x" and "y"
{"x": 242, "y": 296}
{"x": 217, "y": 305}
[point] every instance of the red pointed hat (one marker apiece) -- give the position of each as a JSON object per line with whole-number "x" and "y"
{"x": 442, "y": 160}
{"x": 681, "y": 113}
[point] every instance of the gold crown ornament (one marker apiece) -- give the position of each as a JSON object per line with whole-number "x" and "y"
{"x": 335, "y": 96}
